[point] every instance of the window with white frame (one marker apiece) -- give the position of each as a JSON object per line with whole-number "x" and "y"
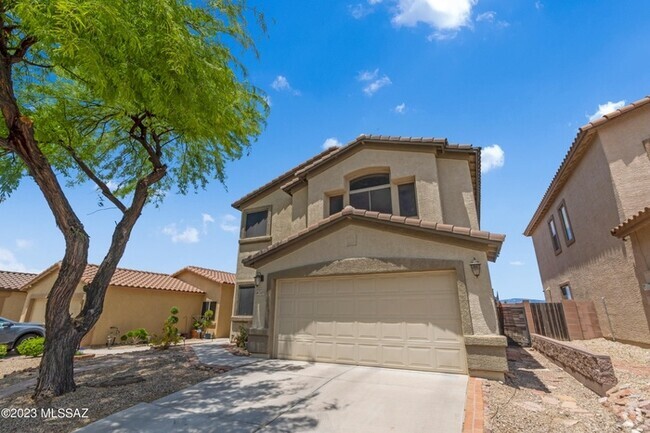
{"x": 555, "y": 239}
{"x": 371, "y": 192}
{"x": 569, "y": 236}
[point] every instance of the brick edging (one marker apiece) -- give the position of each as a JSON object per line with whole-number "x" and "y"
{"x": 474, "y": 407}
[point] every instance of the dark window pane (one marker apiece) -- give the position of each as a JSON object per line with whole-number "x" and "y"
{"x": 566, "y": 223}
{"x": 245, "y": 302}
{"x": 407, "y": 205}
{"x": 566, "y": 292}
{"x": 336, "y": 204}
{"x": 360, "y": 200}
{"x": 554, "y": 237}
{"x": 256, "y": 224}
{"x": 212, "y": 306}
{"x": 369, "y": 181}
{"x": 380, "y": 201}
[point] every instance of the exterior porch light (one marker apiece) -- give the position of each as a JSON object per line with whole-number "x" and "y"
{"x": 475, "y": 265}
{"x": 259, "y": 278}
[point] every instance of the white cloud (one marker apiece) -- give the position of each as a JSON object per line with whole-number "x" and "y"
{"x": 486, "y": 16}
{"x": 229, "y": 224}
{"x": 281, "y": 84}
{"x": 188, "y": 236}
{"x": 332, "y": 142}
{"x": 207, "y": 219}
{"x": 539, "y": 5}
{"x": 401, "y": 108}
{"x": 445, "y": 15}
{"x": 24, "y": 244}
{"x": 374, "y": 2}
{"x": 368, "y": 75}
{"x": 492, "y": 157}
{"x": 517, "y": 263}
{"x": 359, "y": 11}
{"x": 606, "y": 108}
{"x": 9, "y": 262}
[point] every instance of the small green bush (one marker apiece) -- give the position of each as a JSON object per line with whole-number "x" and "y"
{"x": 3, "y": 350}
{"x": 136, "y": 336}
{"x": 170, "y": 334}
{"x": 32, "y": 347}
{"x": 242, "y": 337}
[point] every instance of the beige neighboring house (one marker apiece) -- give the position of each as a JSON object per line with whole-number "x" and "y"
{"x": 365, "y": 254}
{"x": 134, "y": 299}
{"x": 12, "y": 298}
{"x": 591, "y": 231}
{"x": 219, "y": 288}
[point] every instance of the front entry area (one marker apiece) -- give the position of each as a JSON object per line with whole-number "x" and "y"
{"x": 398, "y": 320}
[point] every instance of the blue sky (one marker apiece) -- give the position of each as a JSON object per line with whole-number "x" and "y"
{"x": 519, "y": 75}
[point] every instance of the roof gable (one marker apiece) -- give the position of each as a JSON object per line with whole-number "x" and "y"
{"x": 211, "y": 274}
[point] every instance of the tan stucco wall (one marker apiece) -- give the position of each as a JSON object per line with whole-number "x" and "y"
{"x": 11, "y": 304}
{"x": 597, "y": 264}
{"x": 457, "y": 193}
{"x": 34, "y": 309}
{"x": 220, "y": 293}
{"x": 354, "y": 241}
{"x": 129, "y": 308}
{"x": 640, "y": 241}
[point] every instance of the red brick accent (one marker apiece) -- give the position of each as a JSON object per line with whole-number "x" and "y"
{"x": 474, "y": 406}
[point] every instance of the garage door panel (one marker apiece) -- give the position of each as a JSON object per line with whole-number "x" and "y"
{"x": 402, "y": 321}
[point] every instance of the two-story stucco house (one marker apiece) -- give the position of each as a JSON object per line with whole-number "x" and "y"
{"x": 372, "y": 254}
{"x": 591, "y": 231}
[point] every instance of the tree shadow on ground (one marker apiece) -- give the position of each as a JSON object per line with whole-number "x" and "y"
{"x": 521, "y": 370}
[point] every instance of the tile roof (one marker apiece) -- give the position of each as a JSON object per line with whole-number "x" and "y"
{"x": 210, "y": 274}
{"x": 14, "y": 280}
{"x": 573, "y": 157}
{"x": 632, "y": 223}
{"x": 493, "y": 240}
{"x": 128, "y": 278}
{"x": 297, "y": 174}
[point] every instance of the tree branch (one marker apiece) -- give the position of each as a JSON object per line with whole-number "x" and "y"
{"x": 21, "y": 49}
{"x": 106, "y": 191}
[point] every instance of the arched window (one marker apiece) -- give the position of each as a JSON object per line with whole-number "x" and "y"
{"x": 371, "y": 192}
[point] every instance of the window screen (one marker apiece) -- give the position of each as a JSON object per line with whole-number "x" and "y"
{"x": 245, "y": 300}
{"x": 256, "y": 224}
{"x": 336, "y": 204}
{"x": 407, "y": 203}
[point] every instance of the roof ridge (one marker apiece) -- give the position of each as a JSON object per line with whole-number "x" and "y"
{"x": 210, "y": 269}
{"x": 133, "y": 270}
{"x": 18, "y": 272}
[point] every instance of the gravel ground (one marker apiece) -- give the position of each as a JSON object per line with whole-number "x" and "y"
{"x": 538, "y": 396}
{"x": 157, "y": 372}
{"x": 16, "y": 363}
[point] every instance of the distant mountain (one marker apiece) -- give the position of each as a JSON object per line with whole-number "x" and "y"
{"x": 520, "y": 300}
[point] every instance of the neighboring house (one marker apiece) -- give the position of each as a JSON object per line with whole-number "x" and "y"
{"x": 219, "y": 288}
{"x": 602, "y": 188}
{"x": 134, "y": 299}
{"x": 11, "y": 297}
{"x": 365, "y": 255}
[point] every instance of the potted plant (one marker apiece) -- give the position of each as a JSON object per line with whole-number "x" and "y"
{"x": 202, "y": 324}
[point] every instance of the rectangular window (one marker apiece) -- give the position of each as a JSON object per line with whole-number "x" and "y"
{"x": 371, "y": 193}
{"x": 407, "y": 202}
{"x": 209, "y": 305}
{"x": 336, "y": 204}
{"x": 245, "y": 300}
{"x": 555, "y": 239}
{"x": 566, "y": 224}
{"x": 566, "y": 292}
{"x": 256, "y": 224}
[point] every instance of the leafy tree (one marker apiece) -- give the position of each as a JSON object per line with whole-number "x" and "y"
{"x": 144, "y": 94}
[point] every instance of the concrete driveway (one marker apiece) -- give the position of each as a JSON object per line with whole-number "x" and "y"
{"x": 291, "y": 396}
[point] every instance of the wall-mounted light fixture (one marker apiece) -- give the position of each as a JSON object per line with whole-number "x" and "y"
{"x": 259, "y": 278}
{"x": 475, "y": 265}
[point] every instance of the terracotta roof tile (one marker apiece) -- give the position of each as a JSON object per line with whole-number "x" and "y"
{"x": 494, "y": 240}
{"x": 632, "y": 223}
{"x": 142, "y": 280}
{"x": 211, "y": 274}
{"x": 571, "y": 159}
{"x": 14, "y": 280}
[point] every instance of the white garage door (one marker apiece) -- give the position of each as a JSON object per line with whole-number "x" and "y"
{"x": 409, "y": 321}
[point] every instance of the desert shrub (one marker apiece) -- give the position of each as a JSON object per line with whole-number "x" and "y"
{"x": 242, "y": 337}
{"x": 170, "y": 334}
{"x": 32, "y": 347}
{"x": 3, "y": 350}
{"x": 135, "y": 336}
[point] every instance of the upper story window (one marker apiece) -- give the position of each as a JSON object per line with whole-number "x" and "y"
{"x": 256, "y": 224}
{"x": 555, "y": 239}
{"x": 566, "y": 292}
{"x": 566, "y": 224}
{"x": 371, "y": 192}
{"x": 336, "y": 203}
{"x": 407, "y": 200}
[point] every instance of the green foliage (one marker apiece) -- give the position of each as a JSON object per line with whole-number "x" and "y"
{"x": 204, "y": 322}
{"x": 170, "y": 334}
{"x": 241, "y": 338}
{"x": 135, "y": 336}
{"x": 3, "y": 350}
{"x": 159, "y": 69}
{"x": 32, "y": 347}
